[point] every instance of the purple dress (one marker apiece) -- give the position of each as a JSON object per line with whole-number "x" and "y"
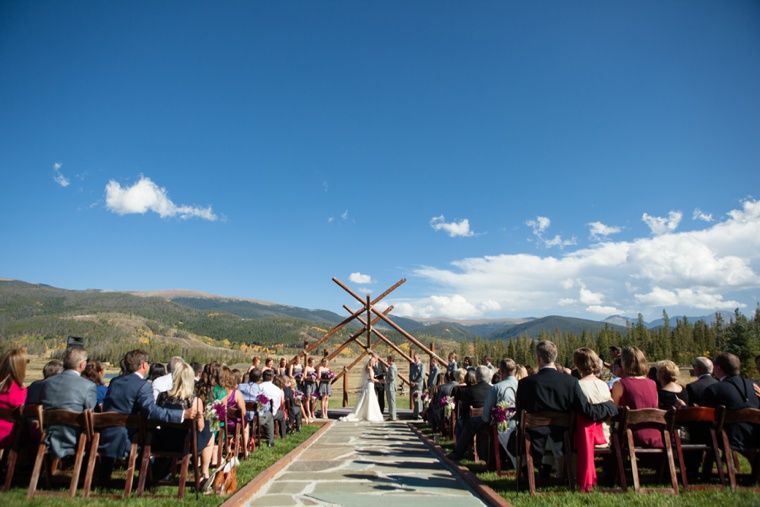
{"x": 642, "y": 393}
{"x": 232, "y": 405}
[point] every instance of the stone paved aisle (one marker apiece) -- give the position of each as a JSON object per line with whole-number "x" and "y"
{"x": 366, "y": 464}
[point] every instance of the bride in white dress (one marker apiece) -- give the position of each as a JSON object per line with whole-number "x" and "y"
{"x": 367, "y": 408}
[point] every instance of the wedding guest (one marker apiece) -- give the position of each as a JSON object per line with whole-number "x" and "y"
{"x": 436, "y": 411}
{"x": 637, "y": 391}
{"x": 474, "y": 396}
{"x": 164, "y": 382}
{"x": 12, "y": 390}
{"x": 521, "y": 372}
{"x": 50, "y": 369}
{"x": 617, "y": 372}
{"x": 182, "y": 396}
{"x": 325, "y": 386}
{"x": 156, "y": 370}
{"x": 232, "y": 398}
{"x": 671, "y": 394}
{"x": 588, "y": 433}
{"x": 275, "y": 395}
{"x": 295, "y": 414}
{"x": 703, "y": 369}
{"x": 94, "y": 372}
{"x": 70, "y": 391}
{"x": 197, "y": 370}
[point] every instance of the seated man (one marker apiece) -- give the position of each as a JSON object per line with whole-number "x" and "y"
{"x": 34, "y": 389}
{"x": 70, "y": 391}
{"x": 474, "y": 396}
{"x": 132, "y": 394}
{"x": 274, "y": 393}
{"x": 735, "y": 392}
{"x": 550, "y": 390}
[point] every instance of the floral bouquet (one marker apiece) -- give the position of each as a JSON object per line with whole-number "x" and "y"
{"x": 299, "y": 396}
{"x": 501, "y": 413}
{"x": 315, "y": 395}
{"x": 261, "y": 401}
{"x": 328, "y": 375}
{"x": 298, "y": 377}
{"x": 311, "y": 377}
{"x": 215, "y": 414}
{"x": 415, "y": 395}
{"x": 425, "y": 399}
{"x": 448, "y": 405}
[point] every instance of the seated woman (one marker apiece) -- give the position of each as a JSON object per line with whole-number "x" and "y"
{"x": 12, "y": 391}
{"x": 636, "y": 391}
{"x": 94, "y": 372}
{"x": 589, "y": 434}
{"x": 671, "y": 394}
{"x": 182, "y": 396}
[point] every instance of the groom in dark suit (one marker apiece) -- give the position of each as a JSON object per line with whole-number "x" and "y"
{"x": 550, "y": 390}
{"x": 380, "y": 372}
{"x": 132, "y": 394}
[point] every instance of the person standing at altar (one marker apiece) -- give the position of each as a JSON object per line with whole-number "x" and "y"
{"x": 390, "y": 387}
{"x": 417, "y": 381}
{"x": 380, "y": 372}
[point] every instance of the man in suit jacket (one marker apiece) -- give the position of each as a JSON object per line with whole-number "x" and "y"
{"x": 390, "y": 387}
{"x": 380, "y": 372}
{"x": 703, "y": 369}
{"x": 435, "y": 372}
{"x": 550, "y": 390}
{"x": 70, "y": 391}
{"x": 34, "y": 390}
{"x": 734, "y": 392}
{"x": 132, "y": 394}
{"x": 417, "y": 379}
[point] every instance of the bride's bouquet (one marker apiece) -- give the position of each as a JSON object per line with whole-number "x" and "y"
{"x": 215, "y": 414}
{"x": 448, "y": 405}
{"x": 501, "y": 413}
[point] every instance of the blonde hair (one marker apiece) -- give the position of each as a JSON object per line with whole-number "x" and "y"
{"x": 667, "y": 370}
{"x": 183, "y": 382}
{"x": 12, "y": 369}
{"x": 461, "y": 373}
{"x": 521, "y": 372}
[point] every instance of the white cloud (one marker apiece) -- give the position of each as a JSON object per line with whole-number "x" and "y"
{"x": 146, "y": 196}
{"x": 359, "y": 278}
{"x": 453, "y": 229}
{"x": 344, "y": 215}
{"x": 704, "y": 270}
{"x": 58, "y": 177}
{"x": 599, "y": 230}
{"x": 701, "y": 215}
{"x": 540, "y": 225}
{"x": 661, "y": 225}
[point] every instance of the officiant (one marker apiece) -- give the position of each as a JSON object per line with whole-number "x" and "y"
{"x": 380, "y": 372}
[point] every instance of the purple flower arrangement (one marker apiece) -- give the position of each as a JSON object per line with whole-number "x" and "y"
{"x": 299, "y": 377}
{"x": 298, "y": 395}
{"x": 328, "y": 375}
{"x": 501, "y": 413}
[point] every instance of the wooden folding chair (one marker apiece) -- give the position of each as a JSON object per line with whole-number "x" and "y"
{"x": 615, "y": 450}
{"x": 701, "y": 421}
{"x": 184, "y": 456}
{"x": 62, "y": 417}
{"x": 13, "y": 416}
{"x": 742, "y": 415}
{"x": 253, "y": 427}
{"x": 564, "y": 420}
{"x": 653, "y": 416}
{"x": 233, "y": 442}
{"x": 475, "y": 412}
{"x": 96, "y": 421}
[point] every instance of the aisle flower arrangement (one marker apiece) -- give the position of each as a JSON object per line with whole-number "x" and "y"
{"x": 448, "y": 405}
{"x": 501, "y": 414}
{"x": 215, "y": 414}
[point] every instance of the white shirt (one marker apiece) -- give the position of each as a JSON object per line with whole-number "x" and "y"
{"x": 161, "y": 384}
{"x": 272, "y": 392}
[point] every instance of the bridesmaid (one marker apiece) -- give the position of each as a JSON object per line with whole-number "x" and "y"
{"x": 325, "y": 386}
{"x": 282, "y": 370}
{"x": 310, "y": 387}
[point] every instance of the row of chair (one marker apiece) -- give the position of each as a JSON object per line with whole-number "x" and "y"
{"x": 716, "y": 450}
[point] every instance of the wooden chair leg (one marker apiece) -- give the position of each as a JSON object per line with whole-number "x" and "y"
{"x": 77, "y": 466}
{"x": 11, "y": 465}
{"x": 634, "y": 465}
{"x": 671, "y": 463}
{"x": 530, "y": 466}
{"x": 36, "y": 471}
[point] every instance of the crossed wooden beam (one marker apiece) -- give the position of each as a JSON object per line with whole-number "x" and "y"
{"x": 368, "y": 316}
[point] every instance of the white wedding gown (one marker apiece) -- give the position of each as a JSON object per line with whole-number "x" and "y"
{"x": 367, "y": 408}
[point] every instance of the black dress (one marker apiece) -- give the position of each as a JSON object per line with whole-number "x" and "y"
{"x": 174, "y": 438}
{"x": 667, "y": 399}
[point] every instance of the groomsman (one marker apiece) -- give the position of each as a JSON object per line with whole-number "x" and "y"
{"x": 390, "y": 387}
{"x": 380, "y": 372}
{"x": 435, "y": 372}
{"x": 417, "y": 380}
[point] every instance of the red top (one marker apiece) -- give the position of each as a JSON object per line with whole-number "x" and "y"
{"x": 642, "y": 393}
{"x": 13, "y": 398}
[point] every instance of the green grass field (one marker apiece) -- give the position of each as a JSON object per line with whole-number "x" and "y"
{"x": 263, "y": 458}
{"x": 564, "y": 497}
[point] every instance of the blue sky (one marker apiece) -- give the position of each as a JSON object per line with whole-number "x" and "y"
{"x": 509, "y": 159}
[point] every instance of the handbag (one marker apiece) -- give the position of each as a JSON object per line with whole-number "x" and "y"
{"x": 223, "y": 480}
